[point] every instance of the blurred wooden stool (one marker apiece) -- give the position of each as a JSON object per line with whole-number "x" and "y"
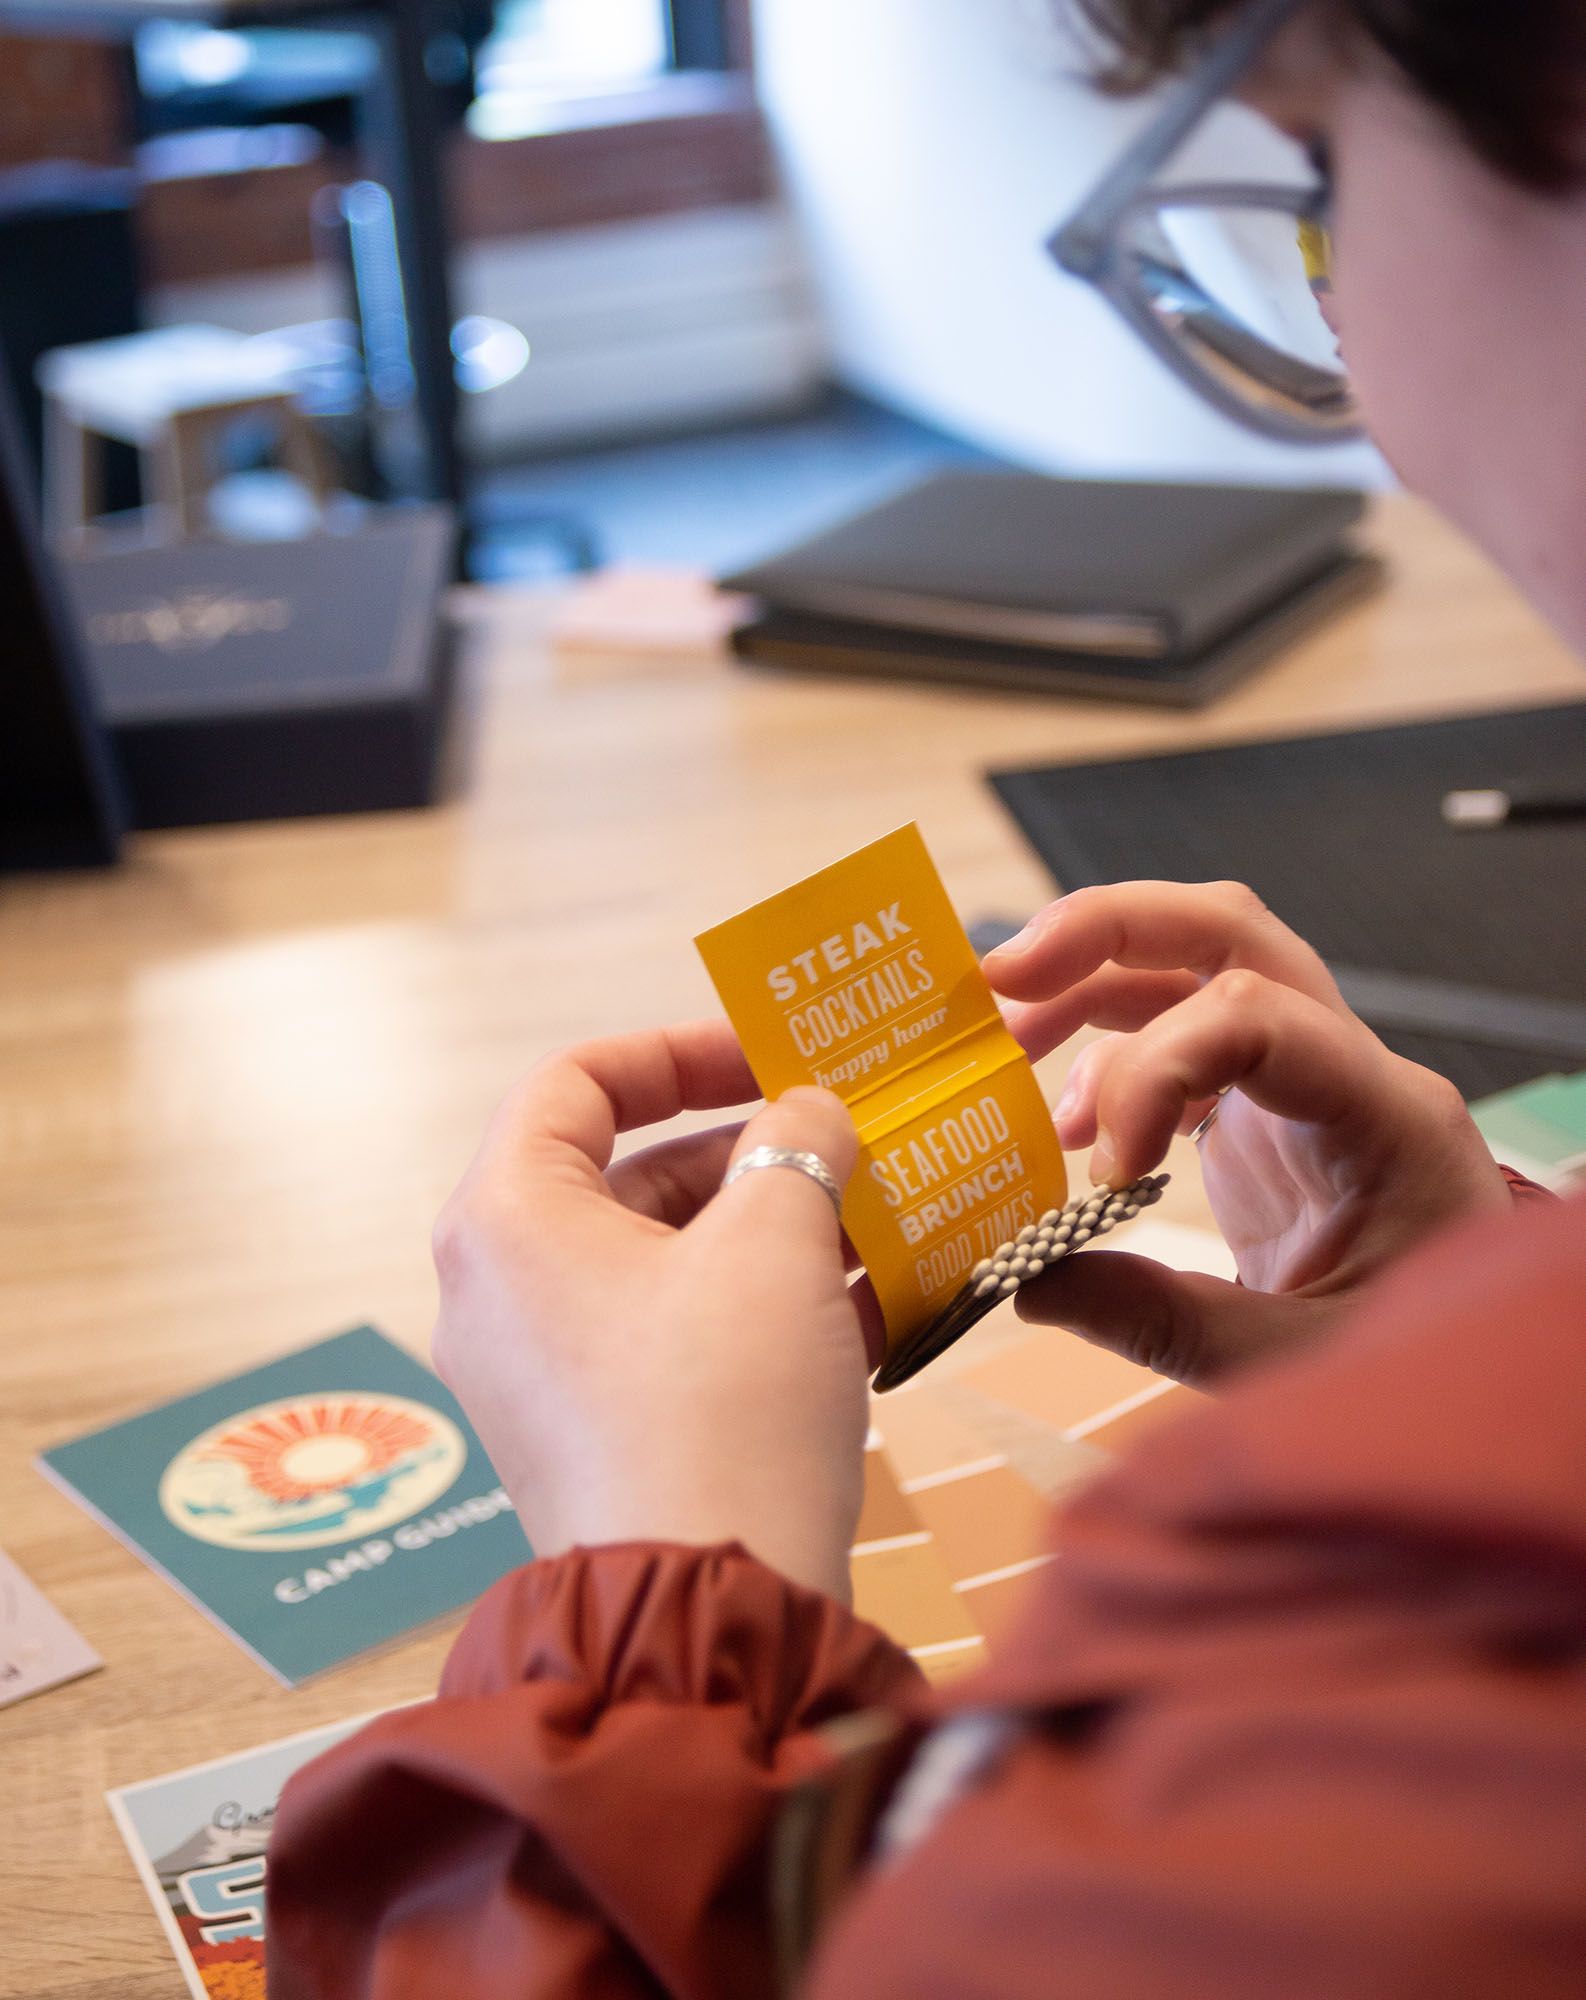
{"x": 172, "y": 393}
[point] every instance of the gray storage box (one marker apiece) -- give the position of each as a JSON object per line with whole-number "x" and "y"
{"x": 266, "y": 680}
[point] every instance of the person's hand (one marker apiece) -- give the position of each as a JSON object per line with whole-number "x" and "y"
{"x": 1329, "y": 1156}
{"x": 646, "y": 1354}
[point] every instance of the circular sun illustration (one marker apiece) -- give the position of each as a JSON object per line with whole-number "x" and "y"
{"x": 311, "y": 1470}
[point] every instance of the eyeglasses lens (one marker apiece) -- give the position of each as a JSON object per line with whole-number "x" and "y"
{"x": 1245, "y": 292}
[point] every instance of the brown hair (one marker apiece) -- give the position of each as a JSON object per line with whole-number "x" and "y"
{"x": 1509, "y": 74}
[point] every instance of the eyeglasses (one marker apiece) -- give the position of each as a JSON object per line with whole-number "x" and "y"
{"x": 1227, "y": 282}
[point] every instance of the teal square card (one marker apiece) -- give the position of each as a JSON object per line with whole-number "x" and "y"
{"x": 316, "y": 1507}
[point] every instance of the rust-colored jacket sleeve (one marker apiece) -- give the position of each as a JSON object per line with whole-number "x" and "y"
{"x": 585, "y": 1811}
{"x": 1302, "y": 1701}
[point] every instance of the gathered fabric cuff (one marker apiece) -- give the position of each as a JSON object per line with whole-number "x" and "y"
{"x": 590, "y": 1805}
{"x": 663, "y": 1622}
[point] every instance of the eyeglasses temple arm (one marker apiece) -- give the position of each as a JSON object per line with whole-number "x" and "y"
{"x": 1082, "y": 243}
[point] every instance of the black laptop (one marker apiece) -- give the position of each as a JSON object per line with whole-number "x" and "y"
{"x": 60, "y": 802}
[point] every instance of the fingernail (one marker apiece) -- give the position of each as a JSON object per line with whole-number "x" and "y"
{"x": 1103, "y": 1160}
{"x": 809, "y": 1093}
{"x": 1068, "y": 1102}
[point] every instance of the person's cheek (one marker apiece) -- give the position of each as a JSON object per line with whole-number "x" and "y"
{"x": 1401, "y": 331}
{"x": 1464, "y": 296}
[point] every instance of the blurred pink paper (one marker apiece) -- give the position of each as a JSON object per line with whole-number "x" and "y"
{"x": 634, "y": 610}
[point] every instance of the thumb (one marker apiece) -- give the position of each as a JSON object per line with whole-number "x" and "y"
{"x": 802, "y": 1120}
{"x": 1183, "y": 1325}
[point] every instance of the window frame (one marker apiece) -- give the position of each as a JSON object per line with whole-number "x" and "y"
{"x": 701, "y": 34}
{"x": 690, "y": 139}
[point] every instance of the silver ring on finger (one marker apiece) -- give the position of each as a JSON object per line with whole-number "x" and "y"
{"x": 809, "y": 1164}
{"x": 1210, "y": 1119}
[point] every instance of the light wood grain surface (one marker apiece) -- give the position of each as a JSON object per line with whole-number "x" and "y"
{"x": 238, "y": 1076}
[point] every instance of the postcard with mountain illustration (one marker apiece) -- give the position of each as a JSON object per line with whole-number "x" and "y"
{"x": 198, "y": 1838}
{"x": 316, "y": 1507}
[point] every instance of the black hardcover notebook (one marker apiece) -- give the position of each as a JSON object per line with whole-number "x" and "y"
{"x": 1343, "y": 837}
{"x": 1087, "y": 565}
{"x": 1160, "y": 593}
{"x": 850, "y": 650}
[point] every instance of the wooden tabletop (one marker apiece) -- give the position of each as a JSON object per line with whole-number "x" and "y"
{"x": 238, "y": 1076}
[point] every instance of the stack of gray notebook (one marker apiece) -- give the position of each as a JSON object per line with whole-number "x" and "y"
{"x": 1004, "y": 579}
